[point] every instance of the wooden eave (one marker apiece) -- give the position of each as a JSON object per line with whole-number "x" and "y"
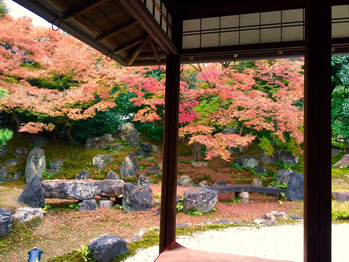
{"x": 122, "y": 30}
{"x": 119, "y": 28}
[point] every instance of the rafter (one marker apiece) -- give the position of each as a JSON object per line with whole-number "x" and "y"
{"x": 128, "y": 45}
{"x": 115, "y": 31}
{"x": 82, "y": 9}
{"x": 155, "y": 51}
{"x": 87, "y": 25}
{"x": 137, "y": 51}
{"x": 138, "y": 10}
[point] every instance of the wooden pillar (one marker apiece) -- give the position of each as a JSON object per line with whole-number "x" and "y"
{"x": 170, "y": 152}
{"x": 317, "y": 143}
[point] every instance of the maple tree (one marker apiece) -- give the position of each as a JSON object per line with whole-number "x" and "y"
{"x": 37, "y": 55}
{"x": 259, "y": 102}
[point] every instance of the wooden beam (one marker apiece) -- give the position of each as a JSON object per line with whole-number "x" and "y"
{"x": 155, "y": 51}
{"x": 207, "y": 8}
{"x": 317, "y": 128}
{"x": 87, "y": 25}
{"x": 128, "y": 45}
{"x": 82, "y": 9}
{"x": 170, "y": 151}
{"x": 116, "y": 31}
{"x": 139, "y": 11}
{"x": 137, "y": 51}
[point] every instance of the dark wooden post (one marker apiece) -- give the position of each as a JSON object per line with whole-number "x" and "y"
{"x": 317, "y": 167}
{"x": 170, "y": 159}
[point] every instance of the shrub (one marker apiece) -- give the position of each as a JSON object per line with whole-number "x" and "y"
{"x": 5, "y": 135}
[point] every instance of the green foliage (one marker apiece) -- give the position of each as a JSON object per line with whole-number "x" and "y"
{"x": 340, "y": 96}
{"x": 3, "y": 8}
{"x": 195, "y": 213}
{"x": 86, "y": 253}
{"x": 3, "y": 92}
{"x": 340, "y": 210}
{"x": 74, "y": 206}
{"x": 236, "y": 200}
{"x": 46, "y": 175}
{"x": 180, "y": 206}
{"x": 55, "y": 82}
{"x": 5, "y": 135}
{"x": 103, "y": 123}
{"x": 47, "y": 207}
{"x": 207, "y": 107}
{"x": 266, "y": 146}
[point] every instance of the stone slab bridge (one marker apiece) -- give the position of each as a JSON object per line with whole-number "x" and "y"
{"x": 82, "y": 189}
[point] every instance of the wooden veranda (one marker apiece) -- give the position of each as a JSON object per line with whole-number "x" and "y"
{"x": 150, "y": 32}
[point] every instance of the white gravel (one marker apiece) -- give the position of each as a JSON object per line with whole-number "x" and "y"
{"x": 276, "y": 242}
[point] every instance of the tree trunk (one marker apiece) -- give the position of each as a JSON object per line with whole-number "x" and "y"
{"x": 196, "y": 149}
{"x": 18, "y": 123}
{"x": 70, "y": 137}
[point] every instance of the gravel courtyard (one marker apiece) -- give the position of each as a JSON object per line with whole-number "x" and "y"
{"x": 277, "y": 242}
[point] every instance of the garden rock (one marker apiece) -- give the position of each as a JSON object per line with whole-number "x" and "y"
{"x": 287, "y": 158}
{"x": 265, "y": 222}
{"x": 83, "y": 175}
{"x": 283, "y": 176}
{"x": 3, "y": 150}
{"x": 153, "y": 170}
{"x": 20, "y": 152}
{"x": 25, "y": 214}
{"x": 6, "y": 218}
{"x": 257, "y": 182}
{"x": 335, "y": 152}
{"x": 203, "y": 183}
{"x": 100, "y": 161}
{"x": 343, "y": 163}
{"x": 243, "y": 196}
{"x": 129, "y": 166}
{"x": 88, "y": 205}
{"x": 33, "y": 194}
{"x": 144, "y": 150}
{"x": 129, "y": 134}
{"x": 295, "y": 187}
{"x": 101, "y": 142}
{"x": 225, "y": 222}
{"x": 184, "y": 181}
{"x": 137, "y": 198}
{"x": 106, "y": 247}
{"x": 143, "y": 180}
{"x": 267, "y": 159}
{"x": 12, "y": 162}
{"x": 220, "y": 183}
{"x": 243, "y": 149}
{"x": 260, "y": 170}
{"x": 36, "y": 164}
{"x": 105, "y": 203}
{"x": 341, "y": 196}
{"x": 247, "y": 161}
{"x": 160, "y": 166}
{"x": 116, "y": 147}
{"x": 112, "y": 175}
{"x": 17, "y": 176}
{"x": 200, "y": 199}
{"x": 199, "y": 164}
{"x": 38, "y": 141}
{"x": 55, "y": 166}
{"x": 68, "y": 189}
{"x": 155, "y": 149}
{"x": 3, "y": 173}
{"x": 274, "y": 215}
{"x": 108, "y": 188}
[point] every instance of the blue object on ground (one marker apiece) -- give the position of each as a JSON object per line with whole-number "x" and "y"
{"x": 35, "y": 255}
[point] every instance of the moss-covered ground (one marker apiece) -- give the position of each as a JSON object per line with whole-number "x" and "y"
{"x": 64, "y": 230}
